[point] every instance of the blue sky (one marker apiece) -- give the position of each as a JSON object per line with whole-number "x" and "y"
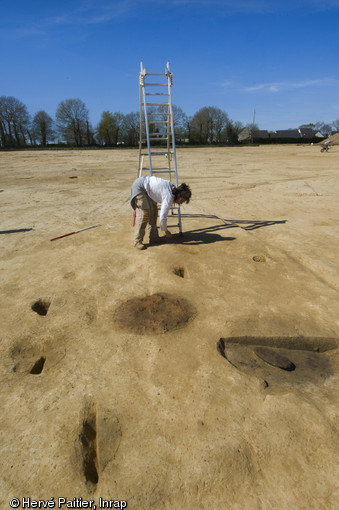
{"x": 278, "y": 58}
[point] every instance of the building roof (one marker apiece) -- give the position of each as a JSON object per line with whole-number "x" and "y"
{"x": 308, "y": 132}
{"x": 261, "y": 133}
{"x": 286, "y": 133}
{"x": 245, "y": 134}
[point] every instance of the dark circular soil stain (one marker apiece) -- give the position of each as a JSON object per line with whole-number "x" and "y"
{"x": 157, "y": 313}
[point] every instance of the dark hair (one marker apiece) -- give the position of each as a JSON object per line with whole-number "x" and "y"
{"x": 182, "y": 191}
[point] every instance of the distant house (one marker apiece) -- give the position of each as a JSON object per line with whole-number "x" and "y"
{"x": 245, "y": 135}
{"x": 310, "y": 133}
{"x": 260, "y": 134}
{"x": 306, "y": 132}
{"x": 286, "y": 133}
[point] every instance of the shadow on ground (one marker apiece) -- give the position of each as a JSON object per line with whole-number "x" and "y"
{"x": 17, "y": 231}
{"x": 205, "y": 235}
{"x": 244, "y": 224}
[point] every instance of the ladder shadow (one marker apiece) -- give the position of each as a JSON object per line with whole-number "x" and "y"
{"x": 205, "y": 235}
{"x": 244, "y": 224}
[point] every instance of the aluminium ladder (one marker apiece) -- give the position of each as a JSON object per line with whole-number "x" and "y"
{"x": 157, "y": 138}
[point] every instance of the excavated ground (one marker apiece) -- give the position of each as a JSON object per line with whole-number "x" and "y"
{"x": 199, "y": 373}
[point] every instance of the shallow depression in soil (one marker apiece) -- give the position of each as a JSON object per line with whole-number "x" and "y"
{"x": 157, "y": 313}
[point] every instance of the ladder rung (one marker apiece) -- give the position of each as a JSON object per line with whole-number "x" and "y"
{"x": 156, "y": 104}
{"x": 162, "y": 171}
{"x": 157, "y": 114}
{"x": 158, "y": 168}
{"x": 152, "y": 153}
{"x": 161, "y": 74}
{"x": 154, "y": 138}
{"x": 165, "y": 134}
{"x": 157, "y": 94}
{"x": 156, "y": 84}
{"x": 160, "y": 153}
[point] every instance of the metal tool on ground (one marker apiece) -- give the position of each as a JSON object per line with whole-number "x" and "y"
{"x": 157, "y": 137}
{"x": 75, "y": 232}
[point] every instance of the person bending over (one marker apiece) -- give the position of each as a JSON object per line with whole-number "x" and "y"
{"x": 146, "y": 193}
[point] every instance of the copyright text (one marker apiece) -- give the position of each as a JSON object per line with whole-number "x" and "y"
{"x": 67, "y": 503}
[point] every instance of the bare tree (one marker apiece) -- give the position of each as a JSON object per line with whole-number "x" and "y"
{"x": 72, "y": 122}
{"x": 106, "y": 131}
{"x": 335, "y": 125}
{"x": 181, "y": 123}
{"x": 252, "y": 128}
{"x": 232, "y": 131}
{"x": 200, "y": 127}
{"x": 42, "y": 128}
{"x": 209, "y": 125}
{"x": 109, "y": 128}
{"x": 14, "y": 122}
{"x": 130, "y": 128}
{"x": 324, "y": 128}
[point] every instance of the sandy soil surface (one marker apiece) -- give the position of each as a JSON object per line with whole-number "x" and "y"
{"x": 334, "y": 138}
{"x": 197, "y": 416}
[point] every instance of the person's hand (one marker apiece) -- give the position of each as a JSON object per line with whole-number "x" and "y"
{"x": 168, "y": 234}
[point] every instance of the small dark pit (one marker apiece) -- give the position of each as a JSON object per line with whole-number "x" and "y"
{"x": 179, "y": 271}
{"x": 38, "y": 366}
{"x": 41, "y": 307}
{"x": 88, "y": 441}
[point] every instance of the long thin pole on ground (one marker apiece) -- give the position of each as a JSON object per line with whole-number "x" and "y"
{"x": 75, "y": 232}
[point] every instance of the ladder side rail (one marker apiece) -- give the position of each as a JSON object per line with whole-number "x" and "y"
{"x": 169, "y": 81}
{"x": 169, "y": 78}
{"x": 141, "y": 158}
{"x": 142, "y": 74}
{"x": 169, "y": 133}
{"x": 147, "y": 131}
{"x": 141, "y": 166}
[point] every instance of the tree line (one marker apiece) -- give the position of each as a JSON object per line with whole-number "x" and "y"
{"x": 71, "y": 126}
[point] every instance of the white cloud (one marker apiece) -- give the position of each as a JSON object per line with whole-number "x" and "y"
{"x": 253, "y": 6}
{"x": 94, "y": 13}
{"x": 271, "y": 88}
{"x": 102, "y": 11}
{"x": 287, "y": 85}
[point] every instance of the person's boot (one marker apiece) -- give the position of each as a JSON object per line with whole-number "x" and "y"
{"x": 139, "y": 246}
